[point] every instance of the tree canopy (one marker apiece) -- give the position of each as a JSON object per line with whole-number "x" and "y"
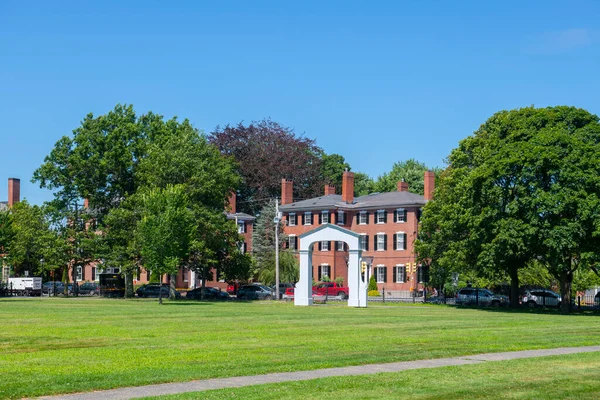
{"x": 522, "y": 188}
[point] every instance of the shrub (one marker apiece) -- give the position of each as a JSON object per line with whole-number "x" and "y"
{"x": 372, "y": 283}
{"x": 340, "y": 281}
{"x": 373, "y": 293}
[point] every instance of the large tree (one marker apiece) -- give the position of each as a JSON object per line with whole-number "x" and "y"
{"x": 165, "y": 231}
{"x": 522, "y": 188}
{"x": 267, "y": 152}
{"x": 411, "y": 171}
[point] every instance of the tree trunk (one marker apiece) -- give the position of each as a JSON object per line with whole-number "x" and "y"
{"x": 129, "y": 293}
{"x": 173, "y": 286}
{"x": 514, "y": 287}
{"x": 204, "y": 274}
{"x": 566, "y": 279}
{"x": 160, "y": 289}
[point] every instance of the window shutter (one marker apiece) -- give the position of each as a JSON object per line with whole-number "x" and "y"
{"x": 295, "y": 242}
{"x": 384, "y": 242}
{"x": 329, "y": 271}
{"x": 375, "y": 272}
{"x": 395, "y": 215}
{"x": 320, "y": 218}
{"x": 320, "y": 245}
{"x": 83, "y": 273}
{"x": 358, "y": 218}
{"x": 384, "y": 274}
{"x": 404, "y": 242}
{"x": 367, "y": 218}
{"x": 319, "y": 268}
{"x": 385, "y": 216}
{"x": 395, "y": 245}
{"x": 366, "y": 242}
{"x": 395, "y": 275}
{"x": 405, "y": 214}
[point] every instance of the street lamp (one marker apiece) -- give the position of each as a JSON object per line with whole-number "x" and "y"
{"x": 276, "y": 220}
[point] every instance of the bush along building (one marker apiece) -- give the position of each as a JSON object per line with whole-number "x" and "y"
{"x": 386, "y": 222}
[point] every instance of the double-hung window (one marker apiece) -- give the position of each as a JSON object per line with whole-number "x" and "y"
{"x": 241, "y": 227}
{"x": 381, "y": 242}
{"x": 400, "y": 215}
{"x": 79, "y": 273}
{"x": 381, "y": 216}
{"x": 308, "y": 218}
{"x": 292, "y": 240}
{"x": 292, "y": 219}
{"x": 340, "y": 246}
{"x": 341, "y": 217}
{"x": 380, "y": 274}
{"x": 400, "y": 241}
{"x": 94, "y": 274}
{"x": 324, "y": 271}
{"x": 325, "y": 245}
{"x": 324, "y": 217}
{"x": 363, "y": 218}
{"x": 400, "y": 273}
{"x": 364, "y": 242}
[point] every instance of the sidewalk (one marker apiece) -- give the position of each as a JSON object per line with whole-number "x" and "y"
{"x": 220, "y": 383}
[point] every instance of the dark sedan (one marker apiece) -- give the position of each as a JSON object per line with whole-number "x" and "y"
{"x": 255, "y": 292}
{"x": 154, "y": 291}
{"x": 210, "y": 293}
{"x": 89, "y": 288}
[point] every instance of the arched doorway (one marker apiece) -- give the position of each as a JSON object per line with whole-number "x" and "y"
{"x": 357, "y": 296}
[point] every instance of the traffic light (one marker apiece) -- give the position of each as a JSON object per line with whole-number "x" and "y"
{"x": 363, "y": 266}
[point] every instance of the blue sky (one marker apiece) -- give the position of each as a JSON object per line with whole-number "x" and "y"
{"x": 375, "y": 81}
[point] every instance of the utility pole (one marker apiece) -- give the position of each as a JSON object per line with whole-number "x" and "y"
{"x": 276, "y": 220}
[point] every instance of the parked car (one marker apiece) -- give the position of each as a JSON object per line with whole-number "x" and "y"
{"x": 51, "y": 286}
{"x": 481, "y": 297}
{"x": 89, "y": 288}
{"x": 282, "y": 288}
{"x": 255, "y": 292}
{"x": 541, "y": 297}
{"x": 331, "y": 289}
{"x": 210, "y": 293}
{"x": 154, "y": 291}
{"x": 232, "y": 288}
{"x": 140, "y": 291}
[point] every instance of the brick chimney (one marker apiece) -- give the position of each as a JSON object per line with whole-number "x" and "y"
{"x": 348, "y": 187}
{"x": 429, "y": 184}
{"x": 14, "y": 191}
{"x": 329, "y": 189}
{"x": 402, "y": 186}
{"x": 287, "y": 192}
{"x": 231, "y": 203}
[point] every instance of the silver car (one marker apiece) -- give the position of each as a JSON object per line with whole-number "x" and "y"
{"x": 541, "y": 297}
{"x": 481, "y": 297}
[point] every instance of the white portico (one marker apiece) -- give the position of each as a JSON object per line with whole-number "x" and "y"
{"x": 357, "y": 296}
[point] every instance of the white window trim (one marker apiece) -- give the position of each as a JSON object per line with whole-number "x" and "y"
{"x": 382, "y": 234}
{"x": 339, "y": 244}
{"x": 377, "y": 274}
{"x": 398, "y": 211}
{"x": 397, "y": 274}
{"x": 308, "y": 221}
{"x": 343, "y": 219}
{"x": 328, "y": 271}
{"x": 95, "y": 274}
{"x": 290, "y": 219}
{"x": 292, "y": 239}
{"x": 241, "y": 227}
{"x": 404, "y": 243}
{"x": 381, "y": 212}
{"x": 323, "y": 215}
{"x": 325, "y": 243}
{"x": 362, "y": 214}
{"x": 79, "y": 273}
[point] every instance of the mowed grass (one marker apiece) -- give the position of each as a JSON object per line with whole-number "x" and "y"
{"x": 575, "y": 376}
{"x": 52, "y": 346}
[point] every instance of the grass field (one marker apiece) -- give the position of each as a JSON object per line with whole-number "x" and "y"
{"x": 575, "y": 376}
{"x": 67, "y": 345}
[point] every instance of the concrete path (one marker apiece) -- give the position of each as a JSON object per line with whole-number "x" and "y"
{"x": 220, "y": 383}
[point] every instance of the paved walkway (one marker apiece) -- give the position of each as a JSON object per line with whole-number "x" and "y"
{"x": 220, "y": 383}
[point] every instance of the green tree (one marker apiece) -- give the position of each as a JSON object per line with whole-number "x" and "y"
{"x": 332, "y": 169}
{"x": 363, "y": 184}
{"x": 166, "y": 230}
{"x": 411, "y": 171}
{"x": 521, "y": 188}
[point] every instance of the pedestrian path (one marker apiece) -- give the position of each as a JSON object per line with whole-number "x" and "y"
{"x": 221, "y": 383}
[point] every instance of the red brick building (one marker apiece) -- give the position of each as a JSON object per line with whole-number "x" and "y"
{"x": 387, "y": 223}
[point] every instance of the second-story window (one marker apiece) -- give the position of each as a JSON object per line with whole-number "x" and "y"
{"x": 340, "y": 246}
{"x": 241, "y": 227}
{"x": 400, "y": 215}
{"x": 381, "y": 216}
{"x": 341, "y": 218}
{"x": 292, "y": 242}
{"x": 364, "y": 242}
{"x": 292, "y": 219}
{"x": 324, "y": 217}
{"x": 308, "y": 218}
{"x": 381, "y": 242}
{"x": 324, "y": 245}
{"x": 400, "y": 273}
{"x": 400, "y": 241}
{"x": 363, "y": 218}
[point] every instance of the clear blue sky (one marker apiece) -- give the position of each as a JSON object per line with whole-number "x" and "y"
{"x": 375, "y": 81}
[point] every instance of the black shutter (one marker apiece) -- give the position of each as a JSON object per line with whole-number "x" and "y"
{"x": 358, "y": 218}
{"x": 367, "y": 217}
{"x": 329, "y": 271}
{"x": 384, "y": 242}
{"x": 83, "y": 273}
{"x": 395, "y": 244}
{"x": 296, "y": 243}
{"x": 367, "y": 242}
{"x": 395, "y": 275}
{"x": 320, "y": 246}
{"x": 319, "y": 273}
{"x": 320, "y": 218}
{"x": 385, "y": 216}
{"x": 405, "y": 214}
{"x": 404, "y": 242}
{"x": 395, "y": 215}
{"x": 384, "y": 274}
{"x": 375, "y": 273}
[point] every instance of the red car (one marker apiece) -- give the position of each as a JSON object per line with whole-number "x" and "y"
{"x": 232, "y": 288}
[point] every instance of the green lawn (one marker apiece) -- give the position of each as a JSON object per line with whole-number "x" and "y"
{"x": 575, "y": 376}
{"x": 68, "y": 345}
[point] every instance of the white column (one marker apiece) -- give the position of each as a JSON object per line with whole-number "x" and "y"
{"x": 357, "y": 296}
{"x": 303, "y": 290}
{"x": 193, "y": 279}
